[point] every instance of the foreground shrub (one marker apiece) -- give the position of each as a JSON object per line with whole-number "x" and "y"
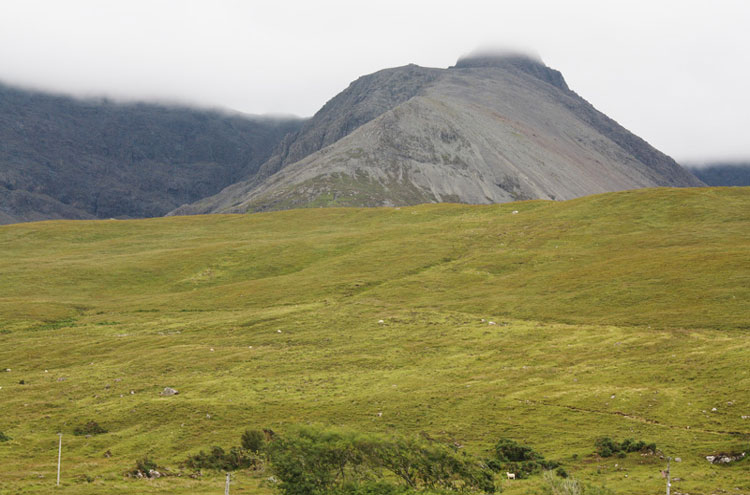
{"x": 312, "y": 461}
{"x": 4, "y": 437}
{"x": 519, "y": 459}
{"x": 254, "y": 441}
{"x": 371, "y": 488}
{"x": 146, "y": 468}
{"x": 218, "y": 459}
{"x": 606, "y": 447}
{"x": 90, "y": 428}
{"x": 507, "y": 450}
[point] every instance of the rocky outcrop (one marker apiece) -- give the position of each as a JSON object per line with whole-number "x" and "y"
{"x": 725, "y": 458}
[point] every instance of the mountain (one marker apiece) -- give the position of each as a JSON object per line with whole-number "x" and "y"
{"x": 493, "y": 128}
{"x": 62, "y": 157}
{"x": 723, "y": 174}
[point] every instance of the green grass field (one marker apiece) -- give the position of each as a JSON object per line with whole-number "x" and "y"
{"x": 623, "y": 314}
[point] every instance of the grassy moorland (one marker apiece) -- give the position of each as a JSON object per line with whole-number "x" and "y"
{"x": 621, "y": 315}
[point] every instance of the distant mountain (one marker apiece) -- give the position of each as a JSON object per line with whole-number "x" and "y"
{"x": 723, "y": 174}
{"x": 62, "y": 157}
{"x": 490, "y": 129}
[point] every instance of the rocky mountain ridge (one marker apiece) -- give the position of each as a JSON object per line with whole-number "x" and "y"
{"x": 489, "y": 129}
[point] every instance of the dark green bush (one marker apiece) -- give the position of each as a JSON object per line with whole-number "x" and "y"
{"x": 145, "y": 464}
{"x": 143, "y": 467}
{"x": 371, "y": 488}
{"x": 311, "y": 461}
{"x": 606, "y": 447}
{"x": 90, "y": 428}
{"x": 507, "y": 450}
{"x": 218, "y": 459}
{"x": 4, "y": 437}
{"x": 515, "y": 458}
{"x": 562, "y": 473}
{"x": 254, "y": 441}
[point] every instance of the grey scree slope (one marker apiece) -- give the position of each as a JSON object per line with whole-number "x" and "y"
{"x": 489, "y": 130}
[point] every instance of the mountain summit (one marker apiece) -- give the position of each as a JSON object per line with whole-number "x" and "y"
{"x": 492, "y": 128}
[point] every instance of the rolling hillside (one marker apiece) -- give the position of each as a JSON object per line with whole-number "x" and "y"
{"x": 622, "y": 314}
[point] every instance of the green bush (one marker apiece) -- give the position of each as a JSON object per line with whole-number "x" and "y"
{"x": 370, "y": 488}
{"x": 4, "y": 437}
{"x": 253, "y": 440}
{"x": 507, "y": 450}
{"x": 515, "y": 458}
{"x": 90, "y": 428}
{"x": 312, "y": 461}
{"x": 218, "y": 459}
{"x": 145, "y": 464}
{"x": 606, "y": 447}
{"x": 143, "y": 467}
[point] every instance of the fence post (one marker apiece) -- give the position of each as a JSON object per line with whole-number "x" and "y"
{"x": 59, "y": 458}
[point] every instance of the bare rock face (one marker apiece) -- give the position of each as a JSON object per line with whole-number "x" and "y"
{"x": 491, "y": 129}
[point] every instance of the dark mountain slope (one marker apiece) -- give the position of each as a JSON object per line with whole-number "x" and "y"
{"x": 490, "y": 129}
{"x": 723, "y": 174}
{"x": 66, "y": 158}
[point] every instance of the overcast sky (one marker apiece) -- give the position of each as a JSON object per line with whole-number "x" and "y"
{"x": 674, "y": 72}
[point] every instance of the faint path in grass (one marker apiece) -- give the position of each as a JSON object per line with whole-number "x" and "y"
{"x": 634, "y": 417}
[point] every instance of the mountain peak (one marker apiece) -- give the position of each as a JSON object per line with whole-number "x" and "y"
{"x": 527, "y": 62}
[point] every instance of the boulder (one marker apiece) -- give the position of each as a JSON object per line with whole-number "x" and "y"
{"x": 168, "y": 391}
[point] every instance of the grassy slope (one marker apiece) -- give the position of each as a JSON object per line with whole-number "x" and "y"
{"x": 638, "y": 295}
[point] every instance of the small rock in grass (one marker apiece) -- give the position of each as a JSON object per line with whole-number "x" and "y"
{"x": 168, "y": 391}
